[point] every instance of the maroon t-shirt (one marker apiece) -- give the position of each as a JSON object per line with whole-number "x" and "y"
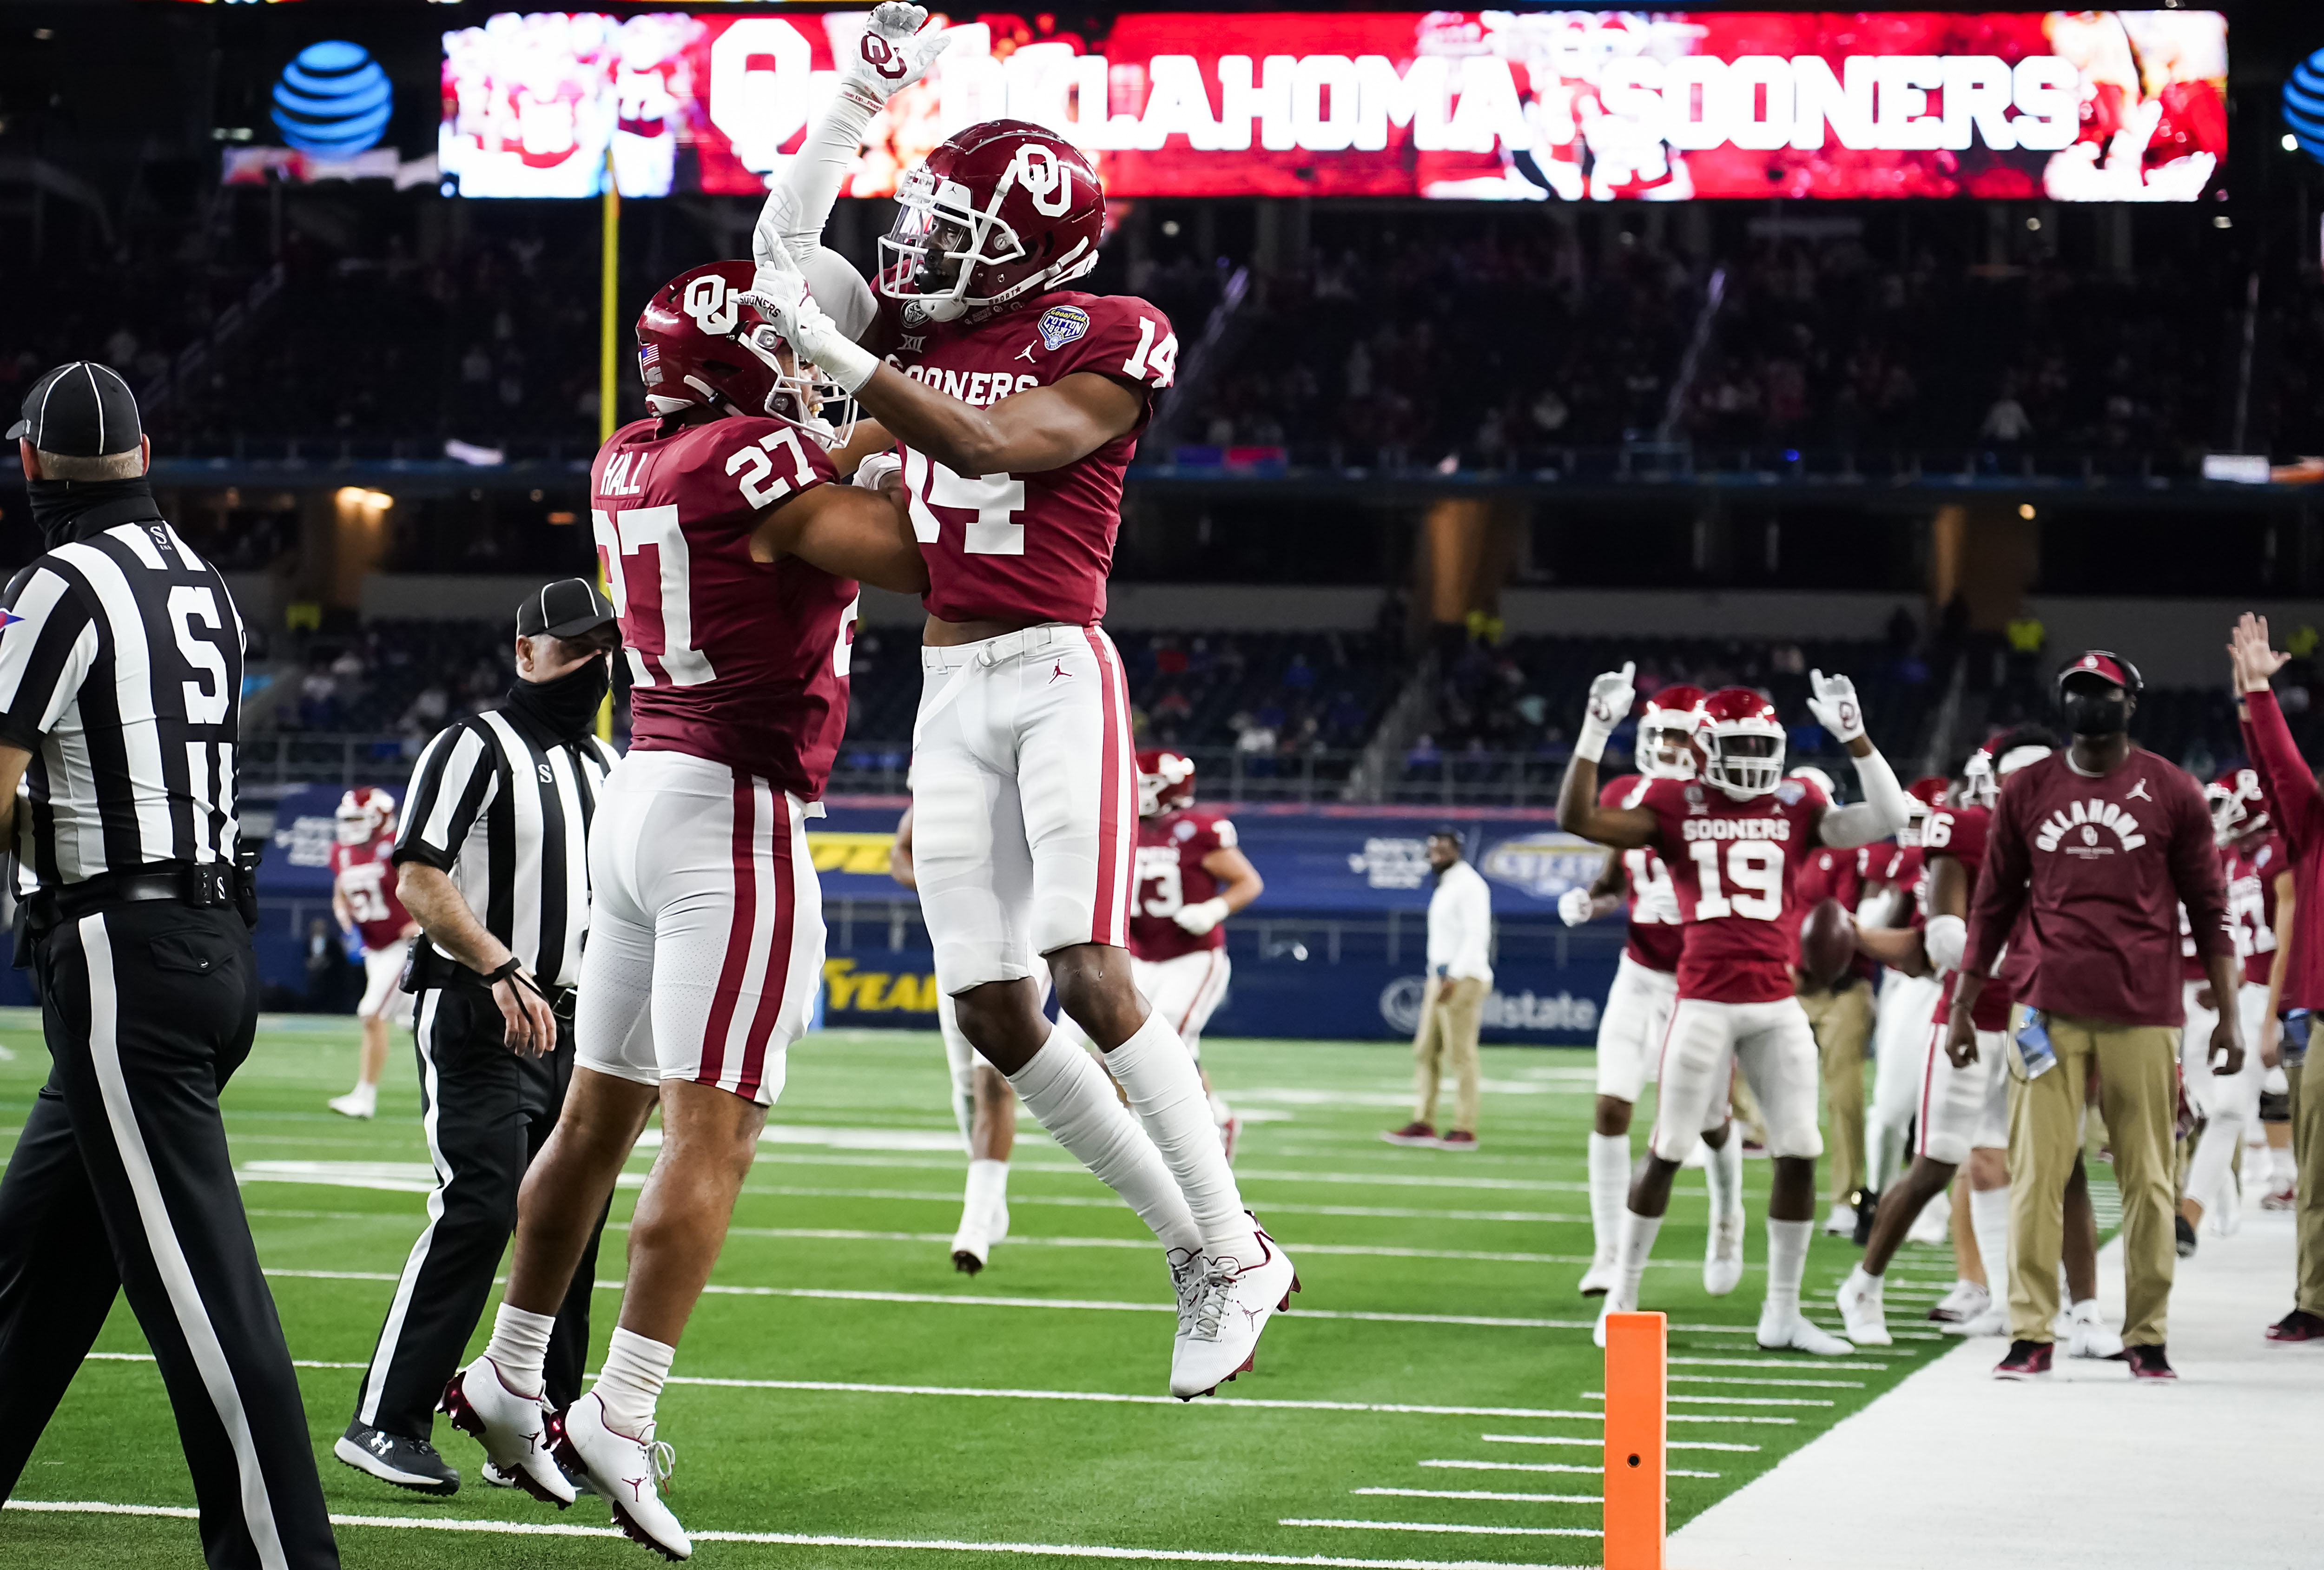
{"x": 2098, "y": 868}
{"x": 1171, "y": 848}
{"x": 737, "y": 662}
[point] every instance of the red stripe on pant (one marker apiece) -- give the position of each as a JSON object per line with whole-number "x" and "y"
{"x": 738, "y": 936}
{"x": 1110, "y": 911}
{"x": 1937, "y": 1034}
{"x": 776, "y": 984}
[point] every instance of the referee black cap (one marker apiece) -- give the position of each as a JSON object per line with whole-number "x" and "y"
{"x": 571, "y": 607}
{"x": 80, "y": 409}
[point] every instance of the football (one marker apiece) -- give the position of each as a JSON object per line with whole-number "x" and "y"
{"x": 1827, "y": 942}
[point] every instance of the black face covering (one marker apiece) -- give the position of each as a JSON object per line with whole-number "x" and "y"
{"x": 69, "y": 510}
{"x": 566, "y": 707}
{"x": 2099, "y": 714}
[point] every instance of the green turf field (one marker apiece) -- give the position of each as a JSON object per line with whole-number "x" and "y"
{"x": 1432, "y": 1399}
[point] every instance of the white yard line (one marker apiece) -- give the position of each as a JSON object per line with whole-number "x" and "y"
{"x": 1798, "y": 1384}
{"x": 1580, "y": 1498}
{"x": 1561, "y": 1439}
{"x": 1543, "y": 1466}
{"x": 1727, "y": 1400}
{"x": 1109, "y": 1398}
{"x": 148, "y": 1357}
{"x": 1845, "y": 1364}
{"x": 1438, "y": 1529}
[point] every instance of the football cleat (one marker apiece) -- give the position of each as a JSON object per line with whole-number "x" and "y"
{"x": 410, "y": 1463}
{"x": 1599, "y": 1278}
{"x": 2184, "y": 1231}
{"x": 1991, "y": 1320}
{"x": 1841, "y": 1221}
{"x": 2297, "y": 1325}
{"x": 1232, "y": 1308}
{"x": 1862, "y": 1319}
{"x": 629, "y": 1471}
{"x": 1792, "y": 1332}
{"x": 2284, "y": 1198}
{"x": 1186, "y": 1282}
{"x": 1966, "y": 1300}
{"x": 493, "y": 1476}
{"x": 1722, "y": 1254}
{"x": 970, "y": 1247}
{"x": 1867, "y": 1206}
{"x": 2089, "y": 1336}
{"x": 2147, "y": 1362}
{"x": 2027, "y": 1360}
{"x": 515, "y": 1430}
{"x": 1457, "y": 1139}
{"x": 1414, "y": 1132}
{"x": 1618, "y": 1301}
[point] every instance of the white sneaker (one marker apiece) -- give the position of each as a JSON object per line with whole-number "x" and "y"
{"x": 1722, "y": 1256}
{"x": 362, "y": 1101}
{"x": 1863, "y": 1320}
{"x": 1599, "y": 1278}
{"x": 2089, "y": 1337}
{"x": 1232, "y": 1308}
{"x": 1618, "y": 1301}
{"x": 1993, "y": 1321}
{"x": 1966, "y": 1300}
{"x": 1793, "y": 1333}
{"x": 1186, "y": 1282}
{"x": 629, "y": 1472}
{"x": 1841, "y": 1221}
{"x": 512, "y": 1427}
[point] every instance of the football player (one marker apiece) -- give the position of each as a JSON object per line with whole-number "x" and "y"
{"x": 734, "y": 559}
{"x": 983, "y": 1104}
{"x": 1733, "y": 840}
{"x": 1841, "y": 1013}
{"x": 1895, "y": 897}
{"x": 365, "y": 901}
{"x": 1639, "y": 1007}
{"x": 1014, "y": 403}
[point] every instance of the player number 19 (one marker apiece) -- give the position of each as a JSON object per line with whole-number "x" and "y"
{"x": 1754, "y": 867}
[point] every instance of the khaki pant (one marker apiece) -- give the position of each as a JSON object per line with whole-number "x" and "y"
{"x": 2308, "y": 1156}
{"x": 1842, "y": 1023}
{"x": 1447, "y": 1037}
{"x": 2138, "y": 1093}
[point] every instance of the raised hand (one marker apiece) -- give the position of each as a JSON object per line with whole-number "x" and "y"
{"x": 894, "y": 53}
{"x": 1833, "y": 700}
{"x": 1612, "y": 695}
{"x": 2256, "y": 662}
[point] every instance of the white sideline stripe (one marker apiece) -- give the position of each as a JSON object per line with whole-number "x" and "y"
{"x": 1543, "y": 1466}
{"x": 1355, "y": 1251}
{"x": 185, "y": 1296}
{"x": 148, "y": 1357}
{"x": 850, "y": 1387}
{"x": 1727, "y": 1400}
{"x": 1434, "y": 1526}
{"x": 1821, "y": 1363}
{"x": 1800, "y": 1384}
{"x": 1107, "y": 1202}
{"x": 1600, "y": 1444}
{"x": 1588, "y": 1498}
{"x": 811, "y": 1539}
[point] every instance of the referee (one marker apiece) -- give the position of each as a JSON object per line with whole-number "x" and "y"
{"x": 120, "y": 707}
{"x": 492, "y": 862}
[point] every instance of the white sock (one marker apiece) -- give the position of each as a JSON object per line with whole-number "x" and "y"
{"x": 1988, "y": 1223}
{"x": 630, "y": 1381}
{"x": 1637, "y": 1242}
{"x": 2210, "y": 1181}
{"x": 1166, "y": 1091}
{"x": 1722, "y": 1172}
{"x": 1609, "y": 1191}
{"x": 2086, "y": 1312}
{"x": 1862, "y": 1277}
{"x": 520, "y": 1346}
{"x": 1788, "y": 1262}
{"x": 987, "y": 1192}
{"x": 2283, "y": 1171}
{"x": 1069, "y": 1095}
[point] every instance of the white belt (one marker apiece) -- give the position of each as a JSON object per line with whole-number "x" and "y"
{"x": 960, "y": 659}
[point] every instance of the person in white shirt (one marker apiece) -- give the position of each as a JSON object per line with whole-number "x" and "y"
{"x": 1453, "y": 1006}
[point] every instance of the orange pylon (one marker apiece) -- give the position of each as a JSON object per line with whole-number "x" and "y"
{"x": 1636, "y": 1506}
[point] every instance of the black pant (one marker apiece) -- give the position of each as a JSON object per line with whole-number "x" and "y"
{"x": 487, "y": 1111}
{"x": 121, "y": 1179}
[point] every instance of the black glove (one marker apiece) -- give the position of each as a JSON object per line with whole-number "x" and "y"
{"x": 246, "y": 854}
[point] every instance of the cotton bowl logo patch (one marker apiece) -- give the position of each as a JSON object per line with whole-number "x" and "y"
{"x": 1061, "y": 324}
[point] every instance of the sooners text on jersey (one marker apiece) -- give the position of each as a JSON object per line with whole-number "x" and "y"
{"x": 1654, "y": 936}
{"x": 1731, "y": 864}
{"x": 1960, "y": 833}
{"x": 737, "y": 662}
{"x": 365, "y": 879}
{"x": 1171, "y": 846}
{"x": 1032, "y": 547}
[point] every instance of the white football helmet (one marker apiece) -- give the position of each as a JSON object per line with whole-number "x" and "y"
{"x": 1665, "y": 747}
{"x": 365, "y": 813}
{"x": 1742, "y": 743}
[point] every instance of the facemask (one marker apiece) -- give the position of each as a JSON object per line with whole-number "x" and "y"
{"x": 69, "y": 510}
{"x": 566, "y": 707}
{"x": 2097, "y": 714}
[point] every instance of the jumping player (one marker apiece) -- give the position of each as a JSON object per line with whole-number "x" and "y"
{"x": 1015, "y": 403}
{"x": 364, "y": 899}
{"x": 1638, "y": 1008}
{"x": 1733, "y": 841}
{"x": 732, "y": 558}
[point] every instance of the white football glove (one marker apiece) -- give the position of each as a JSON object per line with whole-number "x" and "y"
{"x": 1833, "y": 700}
{"x": 1575, "y": 907}
{"x": 779, "y": 292}
{"x": 894, "y": 53}
{"x": 877, "y": 471}
{"x": 1200, "y": 918}
{"x": 1611, "y": 698}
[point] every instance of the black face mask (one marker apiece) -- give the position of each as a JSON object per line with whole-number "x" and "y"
{"x": 2097, "y": 715}
{"x": 566, "y": 707}
{"x": 69, "y": 510}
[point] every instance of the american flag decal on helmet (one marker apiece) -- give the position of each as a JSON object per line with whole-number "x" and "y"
{"x": 650, "y": 363}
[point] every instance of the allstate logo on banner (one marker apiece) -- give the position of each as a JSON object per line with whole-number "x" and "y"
{"x": 1392, "y": 863}
{"x": 1401, "y": 1000}
{"x": 1544, "y": 865}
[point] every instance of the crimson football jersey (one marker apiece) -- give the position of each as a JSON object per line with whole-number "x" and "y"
{"x": 1959, "y": 832}
{"x": 1171, "y": 876}
{"x": 1731, "y": 864}
{"x": 2252, "y": 866}
{"x": 736, "y": 661}
{"x": 1031, "y": 546}
{"x": 365, "y": 879}
{"x": 1654, "y": 936}
{"x": 1901, "y": 866}
{"x": 1834, "y": 874}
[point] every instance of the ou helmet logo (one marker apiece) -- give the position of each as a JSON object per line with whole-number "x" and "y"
{"x": 707, "y": 301}
{"x": 1049, "y": 183}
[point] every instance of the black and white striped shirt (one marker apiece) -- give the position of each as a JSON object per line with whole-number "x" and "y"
{"x": 121, "y": 673}
{"x": 506, "y": 813}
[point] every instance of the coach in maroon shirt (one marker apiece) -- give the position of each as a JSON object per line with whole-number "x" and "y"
{"x": 2098, "y": 846}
